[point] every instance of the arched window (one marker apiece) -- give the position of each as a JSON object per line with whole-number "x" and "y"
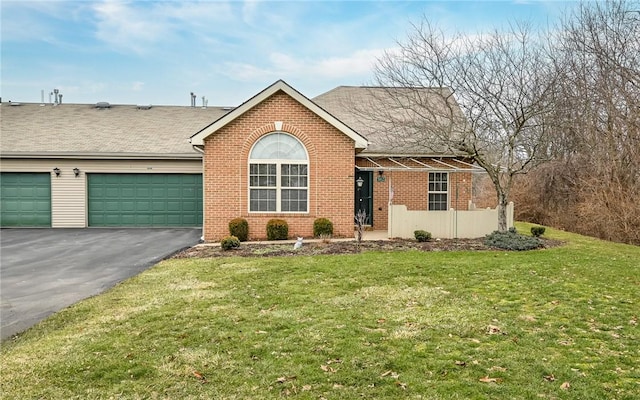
{"x": 278, "y": 175}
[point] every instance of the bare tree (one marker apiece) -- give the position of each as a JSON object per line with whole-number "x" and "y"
{"x": 484, "y": 97}
{"x": 594, "y": 184}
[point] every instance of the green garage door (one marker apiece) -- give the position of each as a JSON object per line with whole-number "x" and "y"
{"x": 25, "y": 199}
{"x": 145, "y": 199}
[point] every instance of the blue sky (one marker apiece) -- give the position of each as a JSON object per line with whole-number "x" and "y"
{"x": 157, "y": 52}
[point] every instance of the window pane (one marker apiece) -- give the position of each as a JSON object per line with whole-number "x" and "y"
{"x": 262, "y": 200}
{"x": 278, "y": 146}
{"x": 261, "y": 175}
{"x": 437, "y": 202}
{"x": 293, "y": 175}
{"x": 294, "y": 200}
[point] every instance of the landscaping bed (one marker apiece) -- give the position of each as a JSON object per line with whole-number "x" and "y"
{"x": 252, "y": 249}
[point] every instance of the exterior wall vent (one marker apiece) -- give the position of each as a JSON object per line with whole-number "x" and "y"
{"x": 103, "y": 105}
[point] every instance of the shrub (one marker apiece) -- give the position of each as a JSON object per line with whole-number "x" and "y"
{"x": 230, "y": 242}
{"x": 537, "y": 231}
{"x": 513, "y": 230}
{"x": 422, "y": 236}
{"x": 277, "y": 229}
{"x": 511, "y": 241}
{"x": 322, "y": 227}
{"x": 239, "y": 227}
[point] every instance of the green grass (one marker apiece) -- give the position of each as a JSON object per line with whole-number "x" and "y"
{"x": 372, "y": 325}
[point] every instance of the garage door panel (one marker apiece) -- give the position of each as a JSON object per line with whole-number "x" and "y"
{"x": 176, "y": 206}
{"x": 143, "y": 192}
{"x": 159, "y": 206}
{"x": 145, "y": 199}
{"x": 190, "y": 205}
{"x": 142, "y": 206}
{"x": 26, "y": 199}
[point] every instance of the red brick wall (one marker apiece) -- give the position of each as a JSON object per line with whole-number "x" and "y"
{"x": 411, "y": 189}
{"x": 226, "y": 164}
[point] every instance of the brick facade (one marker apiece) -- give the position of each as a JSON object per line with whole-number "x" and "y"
{"x": 226, "y": 164}
{"x": 411, "y": 189}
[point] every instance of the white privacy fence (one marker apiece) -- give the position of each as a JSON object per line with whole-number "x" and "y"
{"x": 472, "y": 223}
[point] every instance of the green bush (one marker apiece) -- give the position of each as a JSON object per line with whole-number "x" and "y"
{"x": 239, "y": 227}
{"x": 277, "y": 229}
{"x": 512, "y": 241}
{"x": 230, "y": 242}
{"x": 537, "y": 231}
{"x": 322, "y": 227}
{"x": 422, "y": 236}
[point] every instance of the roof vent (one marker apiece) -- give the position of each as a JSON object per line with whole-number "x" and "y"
{"x": 144, "y": 107}
{"x": 103, "y": 105}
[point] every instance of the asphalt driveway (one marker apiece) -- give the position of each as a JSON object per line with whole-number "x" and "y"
{"x": 45, "y": 270}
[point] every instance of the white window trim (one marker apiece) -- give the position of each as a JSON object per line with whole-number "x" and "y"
{"x": 439, "y": 191}
{"x": 278, "y": 188}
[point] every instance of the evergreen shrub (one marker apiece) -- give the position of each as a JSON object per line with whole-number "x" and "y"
{"x": 239, "y": 227}
{"x": 422, "y": 236}
{"x": 277, "y": 229}
{"x": 322, "y": 227}
{"x": 511, "y": 241}
{"x": 230, "y": 242}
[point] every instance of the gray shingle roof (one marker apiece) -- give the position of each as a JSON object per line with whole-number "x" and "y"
{"x": 386, "y": 116}
{"x": 125, "y": 131}
{"x": 118, "y": 131}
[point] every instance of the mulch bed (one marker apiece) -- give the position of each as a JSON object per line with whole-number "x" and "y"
{"x": 341, "y": 247}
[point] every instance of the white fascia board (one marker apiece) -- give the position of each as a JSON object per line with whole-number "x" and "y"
{"x": 198, "y": 138}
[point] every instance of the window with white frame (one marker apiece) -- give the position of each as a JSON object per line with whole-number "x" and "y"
{"x": 438, "y": 191}
{"x": 278, "y": 175}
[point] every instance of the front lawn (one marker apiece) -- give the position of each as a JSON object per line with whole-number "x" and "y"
{"x": 558, "y": 323}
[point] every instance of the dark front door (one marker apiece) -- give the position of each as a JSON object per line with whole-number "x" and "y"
{"x": 364, "y": 194}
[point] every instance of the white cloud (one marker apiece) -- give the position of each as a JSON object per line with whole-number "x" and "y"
{"x": 127, "y": 28}
{"x": 249, "y": 12}
{"x": 357, "y": 64}
{"x": 142, "y": 27}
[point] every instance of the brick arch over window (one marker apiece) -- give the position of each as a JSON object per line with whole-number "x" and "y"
{"x": 286, "y": 128}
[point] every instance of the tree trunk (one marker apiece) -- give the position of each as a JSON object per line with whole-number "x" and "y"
{"x": 502, "y": 213}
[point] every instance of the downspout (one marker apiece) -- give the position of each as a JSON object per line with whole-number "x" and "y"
{"x": 204, "y": 215}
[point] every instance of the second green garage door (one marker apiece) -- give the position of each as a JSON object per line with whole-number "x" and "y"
{"x": 160, "y": 200}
